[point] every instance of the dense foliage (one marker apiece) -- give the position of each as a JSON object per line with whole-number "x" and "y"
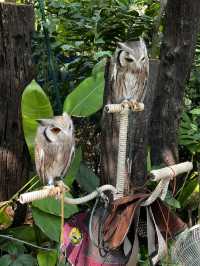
{"x": 71, "y": 41}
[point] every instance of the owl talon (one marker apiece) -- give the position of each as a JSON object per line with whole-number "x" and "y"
{"x": 62, "y": 186}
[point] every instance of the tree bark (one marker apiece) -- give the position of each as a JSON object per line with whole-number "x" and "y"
{"x": 137, "y": 135}
{"x": 16, "y": 71}
{"x": 177, "y": 52}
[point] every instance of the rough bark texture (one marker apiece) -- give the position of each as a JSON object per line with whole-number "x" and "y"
{"x": 138, "y": 131}
{"x": 137, "y": 139}
{"x": 177, "y": 51}
{"x": 16, "y": 27}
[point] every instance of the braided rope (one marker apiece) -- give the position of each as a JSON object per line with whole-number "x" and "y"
{"x": 121, "y": 161}
{"x": 123, "y": 110}
{"x": 56, "y": 191}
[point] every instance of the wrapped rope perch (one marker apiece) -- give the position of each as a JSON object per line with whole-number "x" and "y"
{"x": 156, "y": 175}
{"x": 56, "y": 192}
{"x": 171, "y": 171}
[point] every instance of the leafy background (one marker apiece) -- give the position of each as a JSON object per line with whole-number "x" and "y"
{"x": 81, "y": 35}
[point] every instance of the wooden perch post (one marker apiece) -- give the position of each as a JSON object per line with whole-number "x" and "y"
{"x": 16, "y": 71}
{"x": 138, "y": 122}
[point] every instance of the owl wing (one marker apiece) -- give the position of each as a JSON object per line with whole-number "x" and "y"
{"x": 68, "y": 156}
{"x": 40, "y": 162}
{"x": 53, "y": 160}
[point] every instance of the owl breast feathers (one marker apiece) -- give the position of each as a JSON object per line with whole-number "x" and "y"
{"x": 54, "y": 148}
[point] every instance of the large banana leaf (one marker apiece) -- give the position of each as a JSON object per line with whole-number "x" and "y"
{"x": 35, "y": 105}
{"x": 87, "y": 98}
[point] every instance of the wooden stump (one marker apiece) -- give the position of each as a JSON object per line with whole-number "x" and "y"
{"x": 16, "y": 71}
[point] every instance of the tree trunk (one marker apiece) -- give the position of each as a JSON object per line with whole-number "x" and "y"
{"x": 137, "y": 135}
{"x": 16, "y": 71}
{"x": 177, "y": 52}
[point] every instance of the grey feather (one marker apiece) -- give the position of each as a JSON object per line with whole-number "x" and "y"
{"x": 54, "y": 148}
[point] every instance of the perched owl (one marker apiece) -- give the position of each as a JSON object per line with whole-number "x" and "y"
{"x": 54, "y": 148}
{"x": 130, "y": 70}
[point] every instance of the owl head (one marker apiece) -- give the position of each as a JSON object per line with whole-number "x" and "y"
{"x": 56, "y": 129}
{"x": 132, "y": 54}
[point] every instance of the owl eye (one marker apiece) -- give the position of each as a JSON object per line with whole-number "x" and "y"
{"x": 55, "y": 130}
{"x": 128, "y": 59}
{"x": 142, "y": 59}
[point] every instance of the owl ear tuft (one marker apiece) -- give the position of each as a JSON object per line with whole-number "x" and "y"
{"x": 43, "y": 122}
{"x": 65, "y": 114}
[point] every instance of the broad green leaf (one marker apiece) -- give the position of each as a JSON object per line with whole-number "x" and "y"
{"x": 186, "y": 118}
{"x": 48, "y": 223}
{"x": 187, "y": 192}
{"x": 87, "y": 179}
{"x": 186, "y": 141}
{"x": 71, "y": 174}
{"x": 25, "y": 260}
{"x": 6, "y": 260}
{"x": 25, "y": 232}
{"x": 195, "y": 111}
{"x": 87, "y": 98}
{"x": 47, "y": 258}
{"x": 103, "y": 54}
{"x": 35, "y": 104}
{"x": 53, "y": 206}
{"x": 13, "y": 247}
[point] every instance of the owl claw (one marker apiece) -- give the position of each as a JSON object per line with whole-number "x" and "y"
{"x": 62, "y": 186}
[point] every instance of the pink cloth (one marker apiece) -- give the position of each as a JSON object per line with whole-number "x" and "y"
{"x": 79, "y": 249}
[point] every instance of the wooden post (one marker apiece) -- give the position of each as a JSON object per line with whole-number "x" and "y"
{"x": 137, "y": 135}
{"x": 16, "y": 71}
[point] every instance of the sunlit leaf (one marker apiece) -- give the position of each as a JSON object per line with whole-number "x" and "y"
{"x": 87, "y": 98}
{"x": 35, "y": 104}
{"x": 195, "y": 111}
{"x": 47, "y": 258}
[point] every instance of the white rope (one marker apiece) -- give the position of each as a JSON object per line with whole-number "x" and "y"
{"x": 121, "y": 161}
{"x": 123, "y": 109}
{"x": 56, "y": 191}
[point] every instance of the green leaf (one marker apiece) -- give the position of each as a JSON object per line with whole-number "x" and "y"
{"x": 149, "y": 167}
{"x": 24, "y": 260}
{"x": 13, "y": 247}
{"x": 171, "y": 201}
{"x": 187, "y": 192}
{"x": 71, "y": 174}
{"x": 47, "y": 258}
{"x": 35, "y": 105}
{"x": 25, "y": 232}
{"x": 6, "y": 260}
{"x": 53, "y": 206}
{"x": 48, "y": 223}
{"x": 87, "y": 179}
{"x": 87, "y": 98}
{"x": 195, "y": 111}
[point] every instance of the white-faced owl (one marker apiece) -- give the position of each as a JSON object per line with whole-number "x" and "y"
{"x": 54, "y": 148}
{"x": 130, "y": 71}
